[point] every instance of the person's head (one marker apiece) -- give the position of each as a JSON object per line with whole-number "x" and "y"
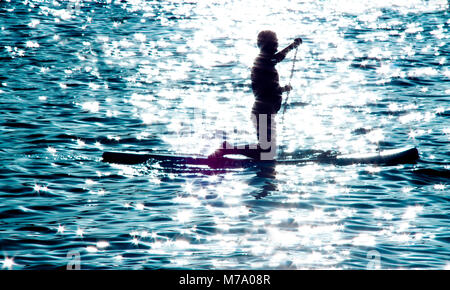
{"x": 267, "y": 41}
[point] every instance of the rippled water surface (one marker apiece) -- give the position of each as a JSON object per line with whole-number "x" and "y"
{"x": 78, "y": 78}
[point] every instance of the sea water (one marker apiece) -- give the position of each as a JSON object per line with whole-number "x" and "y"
{"x": 78, "y": 78}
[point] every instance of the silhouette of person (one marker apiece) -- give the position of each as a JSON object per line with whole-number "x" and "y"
{"x": 267, "y": 90}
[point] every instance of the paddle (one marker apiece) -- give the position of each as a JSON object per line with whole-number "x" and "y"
{"x": 290, "y": 79}
{"x": 287, "y": 96}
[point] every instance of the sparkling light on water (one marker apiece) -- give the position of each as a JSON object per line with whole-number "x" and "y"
{"x": 174, "y": 76}
{"x": 330, "y": 101}
{"x": 8, "y": 263}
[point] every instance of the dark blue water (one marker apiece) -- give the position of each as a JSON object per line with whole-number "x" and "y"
{"x": 83, "y": 77}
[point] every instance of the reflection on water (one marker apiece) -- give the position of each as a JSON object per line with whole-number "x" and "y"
{"x": 82, "y": 77}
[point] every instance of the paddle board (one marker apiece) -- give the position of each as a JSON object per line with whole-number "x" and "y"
{"x": 386, "y": 158}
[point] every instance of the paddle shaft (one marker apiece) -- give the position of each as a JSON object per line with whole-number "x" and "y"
{"x": 290, "y": 79}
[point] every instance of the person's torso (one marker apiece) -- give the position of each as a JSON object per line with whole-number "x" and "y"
{"x": 265, "y": 85}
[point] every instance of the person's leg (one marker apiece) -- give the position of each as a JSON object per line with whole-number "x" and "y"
{"x": 265, "y": 149}
{"x": 255, "y": 122}
{"x": 265, "y": 126}
{"x": 267, "y": 134}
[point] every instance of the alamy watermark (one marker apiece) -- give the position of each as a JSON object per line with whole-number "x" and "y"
{"x": 74, "y": 260}
{"x": 73, "y": 6}
{"x": 374, "y": 260}
{"x": 264, "y": 125}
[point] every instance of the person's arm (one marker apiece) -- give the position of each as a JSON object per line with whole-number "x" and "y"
{"x": 282, "y": 54}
